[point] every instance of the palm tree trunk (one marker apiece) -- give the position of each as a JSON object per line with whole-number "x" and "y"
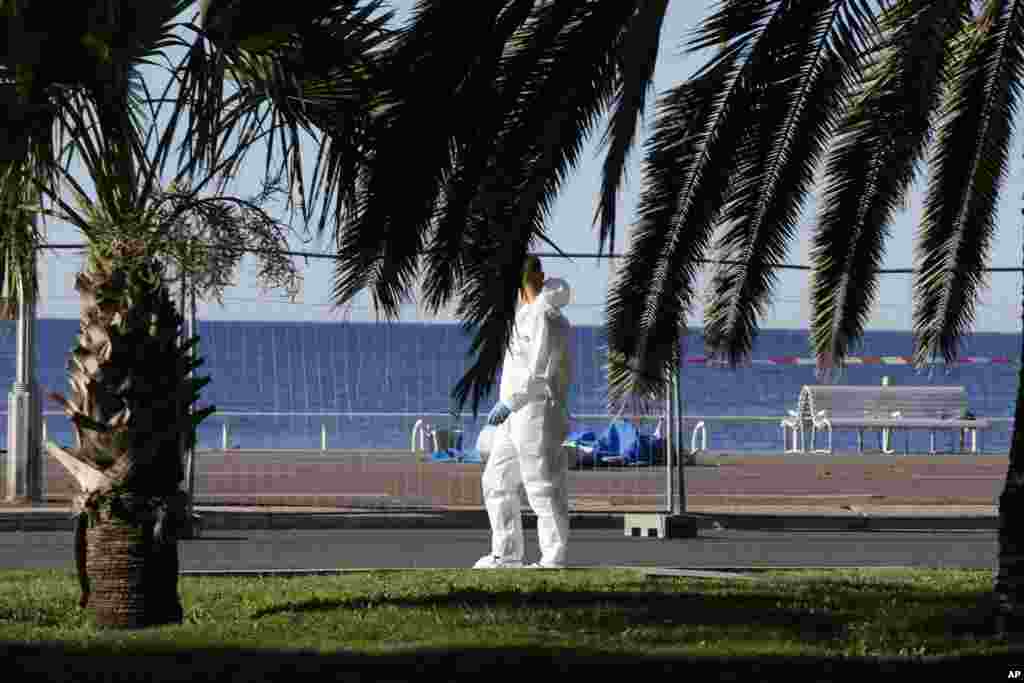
{"x": 132, "y": 574}
{"x": 129, "y": 404}
{"x": 1010, "y": 576}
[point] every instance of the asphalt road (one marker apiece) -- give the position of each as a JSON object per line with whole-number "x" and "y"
{"x": 436, "y": 548}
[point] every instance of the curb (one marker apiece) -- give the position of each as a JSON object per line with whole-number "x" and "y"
{"x": 646, "y": 571}
{"x": 237, "y": 520}
{"x": 849, "y": 522}
{"x": 736, "y": 573}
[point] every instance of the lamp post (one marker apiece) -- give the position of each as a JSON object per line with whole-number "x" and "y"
{"x": 191, "y": 331}
{"x": 188, "y": 311}
{"x": 25, "y": 478}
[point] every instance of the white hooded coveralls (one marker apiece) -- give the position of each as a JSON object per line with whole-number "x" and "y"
{"x": 527, "y": 448}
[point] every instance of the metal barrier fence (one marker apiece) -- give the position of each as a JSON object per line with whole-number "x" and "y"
{"x": 319, "y": 474}
{"x": 430, "y": 432}
{"x": 237, "y": 470}
{"x": 313, "y": 471}
{"x": 253, "y": 453}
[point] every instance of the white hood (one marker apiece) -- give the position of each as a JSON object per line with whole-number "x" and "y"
{"x": 556, "y": 293}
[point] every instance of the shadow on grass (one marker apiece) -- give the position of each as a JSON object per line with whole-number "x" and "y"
{"x": 55, "y": 662}
{"x": 634, "y": 609}
{"x": 957, "y": 614}
{"x": 972, "y": 620}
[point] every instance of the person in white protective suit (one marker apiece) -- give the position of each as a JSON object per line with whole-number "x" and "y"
{"x": 532, "y": 419}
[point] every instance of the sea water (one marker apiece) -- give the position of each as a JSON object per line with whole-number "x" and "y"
{"x": 365, "y": 385}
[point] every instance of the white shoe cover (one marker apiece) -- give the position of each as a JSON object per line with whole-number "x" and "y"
{"x": 495, "y": 562}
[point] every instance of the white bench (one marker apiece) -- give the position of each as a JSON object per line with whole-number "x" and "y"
{"x": 794, "y": 422}
{"x": 883, "y": 408}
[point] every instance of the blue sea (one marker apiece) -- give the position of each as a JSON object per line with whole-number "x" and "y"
{"x": 273, "y": 381}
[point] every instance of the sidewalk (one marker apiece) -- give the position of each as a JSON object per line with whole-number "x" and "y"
{"x": 381, "y": 490}
{"x": 796, "y": 515}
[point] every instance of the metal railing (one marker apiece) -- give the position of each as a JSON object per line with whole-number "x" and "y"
{"x": 699, "y": 434}
{"x": 227, "y": 434}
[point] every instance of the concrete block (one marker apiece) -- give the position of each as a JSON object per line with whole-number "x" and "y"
{"x": 659, "y": 525}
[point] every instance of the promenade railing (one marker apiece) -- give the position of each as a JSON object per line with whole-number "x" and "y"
{"x": 324, "y": 430}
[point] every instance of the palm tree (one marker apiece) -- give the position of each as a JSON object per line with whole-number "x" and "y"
{"x": 865, "y": 87}
{"x": 74, "y": 93}
{"x": 510, "y": 101}
{"x": 870, "y": 88}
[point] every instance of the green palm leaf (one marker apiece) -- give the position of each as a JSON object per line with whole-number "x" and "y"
{"x": 18, "y": 237}
{"x": 521, "y": 38}
{"x": 879, "y": 145}
{"x": 970, "y": 165}
{"x": 380, "y": 249}
{"x": 695, "y": 139}
{"x": 638, "y": 56}
{"x": 806, "y": 72}
{"x": 319, "y": 77}
{"x": 686, "y": 170}
{"x": 558, "y": 111}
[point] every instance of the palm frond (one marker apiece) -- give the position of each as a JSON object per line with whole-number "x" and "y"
{"x": 90, "y": 88}
{"x": 541, "y": 143}
{"x": 520, "y": 38}
{"x": 19, "y": 237}
{"x": 254, "y": 27}
{"x": 105, "y": 141}
{"x": 660, "y": 264}
{"x": 381, "y": 246}
{"x": 317, "y": 78}
{"x": 879, "y": 145}
{"x": 969, "y": 168}
{"x": 637, "y": 59}
{"x": 808, "y": 65}
{"x": 691, "y": 160}
{"x": 559, "y": 107}
{"x": 486, "y": 304}
{"x": 26, "y": 122}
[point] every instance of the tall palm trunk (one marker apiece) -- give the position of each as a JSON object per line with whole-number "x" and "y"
{"x": 1010, "y": 576}
{"x": 129, "y": 406}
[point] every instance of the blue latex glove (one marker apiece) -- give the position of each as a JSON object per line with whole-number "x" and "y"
{"x": 499, "y": 413}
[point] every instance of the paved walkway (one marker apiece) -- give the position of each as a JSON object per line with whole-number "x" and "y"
{"x": 310, "y": 489}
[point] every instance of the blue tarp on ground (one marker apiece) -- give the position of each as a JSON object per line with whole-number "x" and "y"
{"x": 456, "y": 455}
{"x": 620, "y": 444}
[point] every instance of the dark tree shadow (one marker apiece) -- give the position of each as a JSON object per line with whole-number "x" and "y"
{"x": 965, "y": 618}
{"x": 158, "y": 663}
{"x": 633, "y": 609}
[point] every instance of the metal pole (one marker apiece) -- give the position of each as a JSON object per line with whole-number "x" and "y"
{"x": 670, "y": 443}
{"x": 24, "y": 469}
{"x": 886, "y": 434}
{"x": 35, "y": 407}
{"x": 679, "y": 500}
{"x": 182, "y": 301}
{"x": 190, "y": 450}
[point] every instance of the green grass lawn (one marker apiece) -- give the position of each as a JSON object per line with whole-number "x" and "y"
{"x": 388, "y": 625}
